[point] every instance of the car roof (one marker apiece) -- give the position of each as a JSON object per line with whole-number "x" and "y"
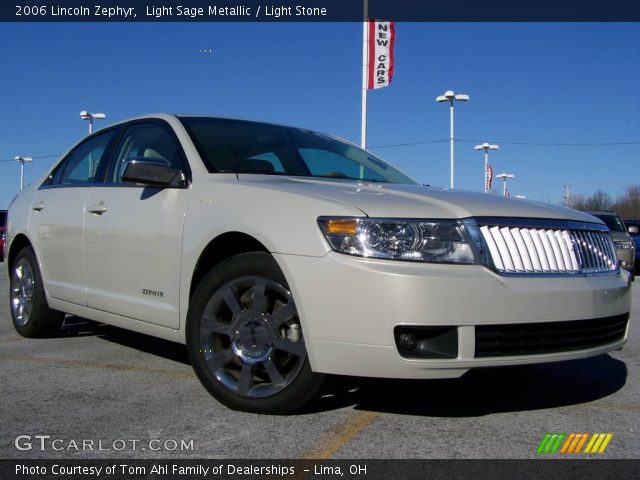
{"x": 174, "y": 116}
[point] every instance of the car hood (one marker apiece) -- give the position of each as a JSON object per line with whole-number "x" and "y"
{"x": 416, "y": 201}
{"x": 620, "y": 236}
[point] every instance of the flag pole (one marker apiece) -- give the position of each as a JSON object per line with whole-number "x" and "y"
{"x": 365, "y": 61}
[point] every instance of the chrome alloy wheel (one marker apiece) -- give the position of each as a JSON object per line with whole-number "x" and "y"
{"x": 250, "y": 336}
{"x": 22, "y": 289}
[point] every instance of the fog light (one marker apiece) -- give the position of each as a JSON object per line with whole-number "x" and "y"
{"x": 624, "y": 263}
{"x": 408, "y": 341}
{"x": 423, "y": 341}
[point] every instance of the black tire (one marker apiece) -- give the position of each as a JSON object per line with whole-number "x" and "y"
{"x": 238, "y": 331}
{"x": 25, "y": 286}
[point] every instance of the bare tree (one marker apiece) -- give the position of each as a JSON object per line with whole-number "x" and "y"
{"x": 579, "y": 202}
{"x": 628, "y": 204}
{"x": 599, "y": 201}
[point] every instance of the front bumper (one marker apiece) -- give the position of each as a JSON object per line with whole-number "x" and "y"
{"x": 350, "y": 306}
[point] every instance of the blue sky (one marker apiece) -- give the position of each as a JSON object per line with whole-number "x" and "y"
{"x": 535, "y": 83}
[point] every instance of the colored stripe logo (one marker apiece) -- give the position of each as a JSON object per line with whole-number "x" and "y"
{"x": 550, "y": 442}
{"x": 573, "y": 443}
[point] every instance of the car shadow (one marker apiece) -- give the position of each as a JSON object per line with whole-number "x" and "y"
{"x": 482, "y": 391}
{"x": 76, "y": 326}
{"x": 479, "y": 392}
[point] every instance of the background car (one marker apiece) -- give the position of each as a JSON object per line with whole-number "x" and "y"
{"x": 633, "y": 227}
{"x": 3, "y": 232}
{"x": 625, "y": 245}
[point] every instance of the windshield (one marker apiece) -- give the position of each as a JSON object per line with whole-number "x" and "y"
{"x": 613, "y": 222}
{"x": 237, "y": 146}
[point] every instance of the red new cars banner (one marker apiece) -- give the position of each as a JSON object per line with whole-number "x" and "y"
{"x": 381, "y": 39}
{"x": 488, "y": 178}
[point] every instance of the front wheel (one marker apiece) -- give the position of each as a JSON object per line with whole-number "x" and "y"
{"x": 30, "y": 312}
{"x": 245, "y": 340}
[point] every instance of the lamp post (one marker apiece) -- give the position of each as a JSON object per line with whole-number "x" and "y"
{"x": 567, "y": 195}
{"x": 486, "y": 147}
{"x": 84, "y": 115}
{"x": 21, "y": 161}
{"x": 451, "y": 97}
{"x": 504, "y": 177}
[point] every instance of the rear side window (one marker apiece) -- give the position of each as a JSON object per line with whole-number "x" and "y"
{"x": 81, "y": 165}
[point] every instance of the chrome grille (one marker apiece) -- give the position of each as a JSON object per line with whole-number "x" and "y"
{"x": 549, "y": 250}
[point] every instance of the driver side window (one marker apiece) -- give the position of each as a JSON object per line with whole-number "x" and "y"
{"x": 146, "y": 141}
{"x": 81, "y": 166}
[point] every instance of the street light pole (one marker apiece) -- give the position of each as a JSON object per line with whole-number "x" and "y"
{"x": 567, "y": 195}
{"x": 504, "y": 177}
{"x": 21, "y": 161}
{"x": 365, "y": 69}
{"x": 84, "y": 115}
{"x": 451, "y": 97}
{"x": 486, "y": 147}
{"x": 451, "y": 142}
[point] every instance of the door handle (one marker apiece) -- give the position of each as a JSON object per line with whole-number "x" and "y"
{"x": 38, "y": 206}
{"x": 98, "y": 208}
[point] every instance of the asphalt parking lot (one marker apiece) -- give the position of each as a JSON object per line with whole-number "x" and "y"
{"x": 100, "y": 383}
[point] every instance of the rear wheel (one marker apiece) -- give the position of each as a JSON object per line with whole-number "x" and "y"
{"x": 245, "y": 340}
{"x": 30, "y": 312}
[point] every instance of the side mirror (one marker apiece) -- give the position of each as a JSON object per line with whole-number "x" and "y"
{"x": 152, "y": 172}
{"x": 633, "y": 230}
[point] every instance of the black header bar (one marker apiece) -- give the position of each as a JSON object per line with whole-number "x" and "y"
{"x": 319, "y": 10}
{"x": 360, "y": 469}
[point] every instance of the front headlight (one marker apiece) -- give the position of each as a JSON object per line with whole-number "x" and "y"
{"x": 439, "y": 241}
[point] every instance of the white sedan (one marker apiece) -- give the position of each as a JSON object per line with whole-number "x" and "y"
{"x": 279, "y": 255}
